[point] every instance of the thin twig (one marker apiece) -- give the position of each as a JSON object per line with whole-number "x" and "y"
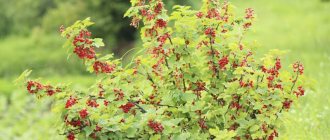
{"x": 295, "y": 81}
{"x": 212, "y": 51}
{"x": 141, "y": 108}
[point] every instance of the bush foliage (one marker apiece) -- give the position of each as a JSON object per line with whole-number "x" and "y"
{"x": 195, "y": 78}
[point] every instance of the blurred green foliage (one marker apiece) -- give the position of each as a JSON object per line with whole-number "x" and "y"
{"x": 29, "y": 39}
{"x": 20, "y": 16}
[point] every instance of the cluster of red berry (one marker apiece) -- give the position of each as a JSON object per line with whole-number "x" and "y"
{"x": 300, "y": 92}
{"x": 156, "y": 126}
{"x": 88, "y": 52}
{"x": 82, "y": 38}
{"x": 199, "y": 14}
{"x": 150, "y": 13}
{"x": 156, "y": 68}
{"x": 92, "y": 103}
{"x": 119, "y": 93}
{"x": 85, "y": 49}
{"x": 287, "y": 104}
{"x": 223, "y": 62}
{"x": 213, "y": 13}
{"x": 235, "y": 105}
{"x": 278, "y": 65}
{"x": 249, "y": 13}
{"x": 101, "y": 90}
{"x": 83, "y": 45}
{"x": 103, "y": 67}
{"x": 73, "y": 122}
{"x": 127, "y": 107}
{"x": 200, "y": 86}
{"x": 273, "y": 73}
{"x": 298, "y": 67}
{"x": 163, "y": 38}
{"x": 82, "y": 121}
{"x": 83, "y": 113}
{"x": 216, "y": 13}
{"x": 98, "y": 128}
{"x": 235, "y": 102}
{"x": 34, "y": 87}
{"x": 70, "y": 136}
{"x": 50, "y": 90}
{"x": 158, "y": 8}
{"x": 202, "y": 124}
{"x": 160, "y": 23}
{"x": 247, "y": 25}
{"x": 106, "y": 102}
{"x": 70, "y": 102}
{"x": 210, "y": 32}
{"x": 249, "y": 16}
{"x": 157, "y": 51}
{"x": 273, "y": 135}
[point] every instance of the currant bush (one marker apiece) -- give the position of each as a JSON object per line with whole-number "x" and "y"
{"x": 194, "y": 78}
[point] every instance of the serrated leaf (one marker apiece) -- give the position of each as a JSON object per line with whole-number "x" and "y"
{"x": 87, "y": 22}
{"x": 239, "y": 71}
{"x": 222, "y": 134}
{"x": 22, "y": 77}
{"x": 188, "y": 97}
{"x": 98, "y": 42}
{"x": 182, "y": 136}
{"x": 155, "y": 137}
{"x": 214, "y": 131}
{"x": 254, "y": 128}
{"x": 131, "y": 132}
{"x": 88, "y": 131}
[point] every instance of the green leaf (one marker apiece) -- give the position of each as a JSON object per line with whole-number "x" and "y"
{"x": 222, "y": 135}
{"x": 131, "y": 132}
{"x": 167, "y": 100}
{"x": 22, "y": 77}
{"x": 239, "y": 71}
{"x": 87, "y": 22}
{"x": 173, "y": 122}
{"x": 106, "y": 57}
{"x": 155, "y": 137}
{"x": 257, "y": 106}
{"x": 98, "y": 42}
{"x": 182, "y": 136}
{"x": 88, "y": 131}
{"x": 233, "y": 47}
{"x": 254, "y": 128}
{"x": 104, "y": 137}
{"x": 214, "y": 132}
{"x": 188, "y": 97}
{"x": 133, "y": 2}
